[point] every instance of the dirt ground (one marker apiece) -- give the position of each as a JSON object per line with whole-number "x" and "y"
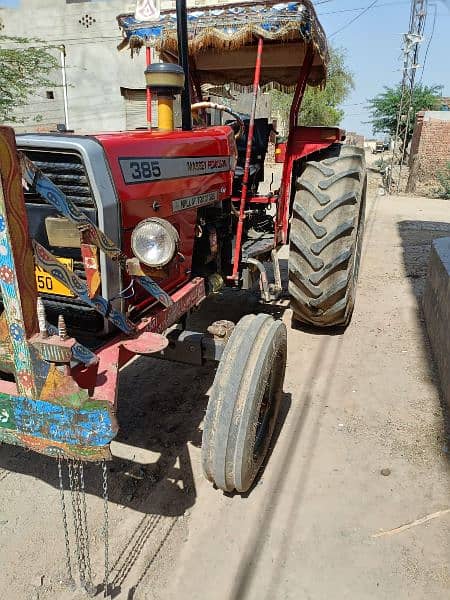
{"x": 355, "y": 404}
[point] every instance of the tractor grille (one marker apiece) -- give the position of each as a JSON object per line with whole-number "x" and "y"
{"x": 67, "y": 171}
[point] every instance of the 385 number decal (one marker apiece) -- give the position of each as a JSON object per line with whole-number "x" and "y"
{"x": 145, "y": 169}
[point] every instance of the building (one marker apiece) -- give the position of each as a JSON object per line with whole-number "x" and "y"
{"x": 430, "y": 151}
{"x": 105, "y": 87}
{"x": 354, "y": 139}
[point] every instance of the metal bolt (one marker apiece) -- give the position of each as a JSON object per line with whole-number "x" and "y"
{"x": 42, "y": 321}
{"x": 62, "y": 329}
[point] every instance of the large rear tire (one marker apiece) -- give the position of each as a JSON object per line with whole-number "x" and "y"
{"x": 326, "y": 235}
{"x": 244, "y": 403}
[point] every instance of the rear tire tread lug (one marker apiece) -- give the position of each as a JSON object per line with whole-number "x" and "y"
{"x": 331, "y": 267}
{"x": 342, "y": 229}
{"x": 322, "y": 199}
{"x": 347, "y": 198}
{"x": 317, "y": 229}
{"x": 325, "y": 184}
{"x": 314, "y": 262}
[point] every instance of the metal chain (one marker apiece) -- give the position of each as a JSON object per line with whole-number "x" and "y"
{"x": 105, "y": 528}
{"x": 70, "y": 579}
{"x": 74, "y": 483}
{"x": 89, "y": 587}
{"x": 75, "y": 469}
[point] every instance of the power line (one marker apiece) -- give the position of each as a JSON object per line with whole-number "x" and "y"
{"x": 356, "y": 8}
{"x": 429, "y": 43}
{"x": 364, "y": 11}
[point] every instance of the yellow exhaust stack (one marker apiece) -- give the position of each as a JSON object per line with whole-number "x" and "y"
{"x": 165, "y": 80}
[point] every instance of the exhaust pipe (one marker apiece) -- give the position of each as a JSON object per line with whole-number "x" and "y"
{"x": 183, "y": 59}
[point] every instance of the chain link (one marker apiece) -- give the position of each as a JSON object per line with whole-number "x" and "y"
{"x": 73, "y": 493}
{"x": 70, "y": 579}
{"x": 105, "y": 528}
{"x": 75, "y": 470}
{"x": 89, "y": 587}
{"x": 80, "y": 524}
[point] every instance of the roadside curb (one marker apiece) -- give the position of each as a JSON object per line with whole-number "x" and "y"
{"x": 436, "y": 306}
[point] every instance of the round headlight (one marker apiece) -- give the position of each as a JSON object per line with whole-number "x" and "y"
{"x": 154, "y": 242}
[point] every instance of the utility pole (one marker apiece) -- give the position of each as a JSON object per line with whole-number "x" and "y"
{"x": 411, "y": 48}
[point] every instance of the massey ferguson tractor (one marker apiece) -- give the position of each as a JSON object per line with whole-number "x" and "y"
{"x": 109, "y": 241}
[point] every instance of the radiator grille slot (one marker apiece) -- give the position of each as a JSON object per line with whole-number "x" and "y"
{"x": 67, "y": 171}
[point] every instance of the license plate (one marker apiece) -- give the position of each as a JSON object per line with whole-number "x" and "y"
{"x": 46, "y": 284}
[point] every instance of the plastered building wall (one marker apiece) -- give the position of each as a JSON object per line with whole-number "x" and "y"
{"x": 95, "y": 69}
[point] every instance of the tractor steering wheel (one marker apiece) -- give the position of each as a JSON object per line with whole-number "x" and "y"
{"x": 238, "y": 121}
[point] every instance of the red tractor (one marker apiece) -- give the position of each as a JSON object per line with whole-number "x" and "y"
{"x": 130, "y": 231}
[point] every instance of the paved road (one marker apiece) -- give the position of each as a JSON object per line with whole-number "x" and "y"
{"x": 354, "y": 404}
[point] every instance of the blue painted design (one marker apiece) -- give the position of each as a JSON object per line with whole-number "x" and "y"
{"x": 229, "y": 20}
{"x": 23, "y": 360}
{"x": 79, "y": 352}
{"x": 41, "y": 419}
{"x": 50, "y": 263}
{"x": 153, "y": 288}
{"x": 16, "y": 332}
{"x": 54, "y": 196}
{"x": 83, "y": 354}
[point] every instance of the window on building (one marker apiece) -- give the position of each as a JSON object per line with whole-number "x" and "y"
{"x": 50, "y": 95}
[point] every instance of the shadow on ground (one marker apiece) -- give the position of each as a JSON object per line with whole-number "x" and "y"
{"x": 160, "y": 410}
{"x": 417, "y": 238}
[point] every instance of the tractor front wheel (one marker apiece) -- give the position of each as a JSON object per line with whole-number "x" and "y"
{"x": 326, "y": 236}
{"x": 244, "y": 403}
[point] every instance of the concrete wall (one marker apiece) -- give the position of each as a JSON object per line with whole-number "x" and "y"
{"x": 436, "y": 306}
{"x": 95, "y": 68}
{"x": 430, "y": 151}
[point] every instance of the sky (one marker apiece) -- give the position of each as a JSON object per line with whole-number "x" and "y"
{"x": 373, "y": 44}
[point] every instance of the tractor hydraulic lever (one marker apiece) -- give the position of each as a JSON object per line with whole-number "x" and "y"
{"x": 240, "y": 225}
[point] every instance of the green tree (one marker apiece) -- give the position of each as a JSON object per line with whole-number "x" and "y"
{"x": 24, "y": 69}
{"x": 320, "y": 106}
{"x": 385, "y": 106}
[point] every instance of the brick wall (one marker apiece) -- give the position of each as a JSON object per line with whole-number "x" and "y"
{"x": 430, "y": 151}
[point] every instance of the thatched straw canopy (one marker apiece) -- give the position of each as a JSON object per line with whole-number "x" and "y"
{"x": 223, "y": 39}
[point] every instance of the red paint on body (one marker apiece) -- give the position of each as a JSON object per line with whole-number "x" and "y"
{"x": 140, "y": 201}
{"x": 302, "y": 142}
{"x": 101, "y": 378}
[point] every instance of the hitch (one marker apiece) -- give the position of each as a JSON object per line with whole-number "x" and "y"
{"x": 194, "y": 348}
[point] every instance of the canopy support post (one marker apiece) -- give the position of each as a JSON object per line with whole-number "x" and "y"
{"x": 301, "y": 87}
{"x": 148, "y": 60}
{"x": 186, "y": 117}
{"x": 248, "y": 153}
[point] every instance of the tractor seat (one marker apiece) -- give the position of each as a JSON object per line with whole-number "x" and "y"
{"x": 260, "y": 143}
{"x": 254, "y": 178}
{"x": 239, "y": 171}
